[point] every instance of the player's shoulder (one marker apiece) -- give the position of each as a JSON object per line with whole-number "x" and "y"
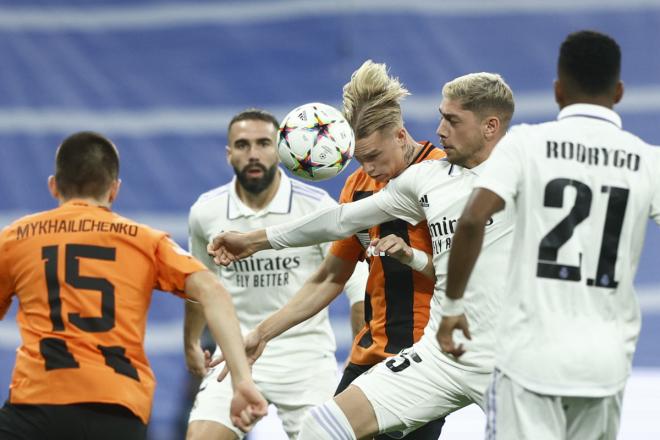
{"x": 130, "y": 224}
{"x": 21, "y": 222}
{"x": 429, "y": 166}
{"x": 302, "y": 190}
{"x": 212, "y": 198}
{"x": 359, "y": 180}
{"x": 429, "y": 152}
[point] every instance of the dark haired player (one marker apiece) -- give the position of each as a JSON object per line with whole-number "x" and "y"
{"x": 581, "y": 189}
{"x": 83, "y": 276}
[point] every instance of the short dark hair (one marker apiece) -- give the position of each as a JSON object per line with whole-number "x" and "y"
{"x": 252, "y": 114}
{"x": 591, "y": 62}
{"x": 86, "y": 164}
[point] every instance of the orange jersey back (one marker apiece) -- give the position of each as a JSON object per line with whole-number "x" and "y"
{"x": 397, "y": 302}
{"x": 83, "y": 276}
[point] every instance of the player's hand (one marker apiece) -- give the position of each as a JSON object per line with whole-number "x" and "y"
{"x": 227, "y": 247}
{"x": 247, "y": 406}
{"x": 254, "y": 346}
{"x": 445, "y": 331}
{"x": 392, "y": 246}
{"x": 197, "y": 361}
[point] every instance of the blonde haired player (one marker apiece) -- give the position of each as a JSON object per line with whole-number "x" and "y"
{"x": 422, "y": 383}
{"x": 397, "y": 296}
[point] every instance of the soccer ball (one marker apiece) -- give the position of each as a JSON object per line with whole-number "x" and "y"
{"x": 315, "y": 141}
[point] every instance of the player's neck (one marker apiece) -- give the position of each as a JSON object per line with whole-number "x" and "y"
{"x": 87, "y": 200}
{"x": 259, "y": 201}
{"x": 411, "y": 150}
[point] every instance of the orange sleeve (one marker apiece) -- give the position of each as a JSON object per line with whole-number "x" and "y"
{"x": 6, "y": 285}
{"x": 348, "y": 248}
{"x": 173, "y": 265}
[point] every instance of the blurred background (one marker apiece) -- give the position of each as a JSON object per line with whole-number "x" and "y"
{"x": 163, "y": 77}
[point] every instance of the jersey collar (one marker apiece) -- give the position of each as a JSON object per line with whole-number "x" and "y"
{"x": 457, "y": 170}
{"x": 82, "y": 203}
{"x": 590, "y": 111}
{"x": 281, "y": 203}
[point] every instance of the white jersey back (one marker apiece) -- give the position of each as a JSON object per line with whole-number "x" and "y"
{"x": 582, "y": 190}
{"x": 264, "y": 282}
{"x": 437, "y": 191}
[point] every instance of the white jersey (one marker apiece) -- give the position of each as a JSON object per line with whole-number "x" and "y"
{"x": 264, "y": 282}
{"x": 437, "y": 192}
{"x": 582, "y": 190}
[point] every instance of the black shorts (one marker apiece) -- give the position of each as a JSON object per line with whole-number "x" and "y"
{"x": 81, "y": 421}
{"x": 430, "y": 431}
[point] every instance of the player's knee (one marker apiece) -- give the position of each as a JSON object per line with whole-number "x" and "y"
{"x": 326, "y": 422}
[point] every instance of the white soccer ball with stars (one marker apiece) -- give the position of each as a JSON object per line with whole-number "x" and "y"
{"x": 315, "y": 141}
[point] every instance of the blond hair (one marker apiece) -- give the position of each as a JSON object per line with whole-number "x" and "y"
{"x": 372, "y": 100}
{"x": 482, "y": 93}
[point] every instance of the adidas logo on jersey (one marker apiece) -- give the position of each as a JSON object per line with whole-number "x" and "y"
{"x": 424, "y": 201}
{"x": 302, "y": 116}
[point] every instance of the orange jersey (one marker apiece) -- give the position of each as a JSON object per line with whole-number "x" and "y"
{"x": 397, "y": 302}
{"x": 83, "y": 276}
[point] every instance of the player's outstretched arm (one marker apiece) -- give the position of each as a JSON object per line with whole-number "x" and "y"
{"x": 193, "y": 326}
{"x": 248, "y": 406}
{"x": 465, "y": 249}
{"x": 227, "y": 247}
{"x": 328, "y": 224}
{"x": 395, "y": 247}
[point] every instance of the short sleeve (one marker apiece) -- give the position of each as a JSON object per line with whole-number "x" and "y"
{"x": 197, "y": 241}
{"x": 348, "y": 249}
{"x": 173, "y": 265}
{"x": 503, "y": 171}
{"x": 6, "y": 284}
{"x": 399, "y": 197}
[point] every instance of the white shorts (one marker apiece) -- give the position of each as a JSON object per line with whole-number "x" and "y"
{"x": 416, "y": 387}
{"x": 292, "y": 400}
{"x": 514, "y": 412}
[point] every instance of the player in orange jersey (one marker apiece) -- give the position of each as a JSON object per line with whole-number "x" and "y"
{"x": 397, "y": 300}
{"x": 83, "y": 276}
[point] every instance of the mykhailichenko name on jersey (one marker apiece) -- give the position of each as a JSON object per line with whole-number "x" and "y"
{"x": 264, "y": 272}
{"x": 599, "y": 156}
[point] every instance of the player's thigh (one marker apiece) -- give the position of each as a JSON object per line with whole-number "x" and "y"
{"x": 206, "y": 429}
{"x": 593, "y": 418}
{"x": 21, "y": 422}
{"x": 209, "y": 416}
{"x": 351, "y": 372}
{"x": 513, "y": 412}
{"x": 294, "y": 399}
{"x": 412, "y": 389}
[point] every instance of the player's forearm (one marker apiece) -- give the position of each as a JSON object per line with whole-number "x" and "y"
{"x": 328, "y": 224}
{"x": 421, "y": 262}
{"x": 193, "y": 325}
{"x": 221, "y": 319}
{"x": 312, "y": 297}
{"x": 357, "y": 317}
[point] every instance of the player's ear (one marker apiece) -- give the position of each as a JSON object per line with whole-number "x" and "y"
{"x": 618, "y": 92}
{"x": 228, "y": 154}
{"x": 559, "y": 93}
{"x": 400, "y": 135}
{"x": 114, "y": 190}
{"x": 52, "y": 187}
{"x": 491, "y": 126}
